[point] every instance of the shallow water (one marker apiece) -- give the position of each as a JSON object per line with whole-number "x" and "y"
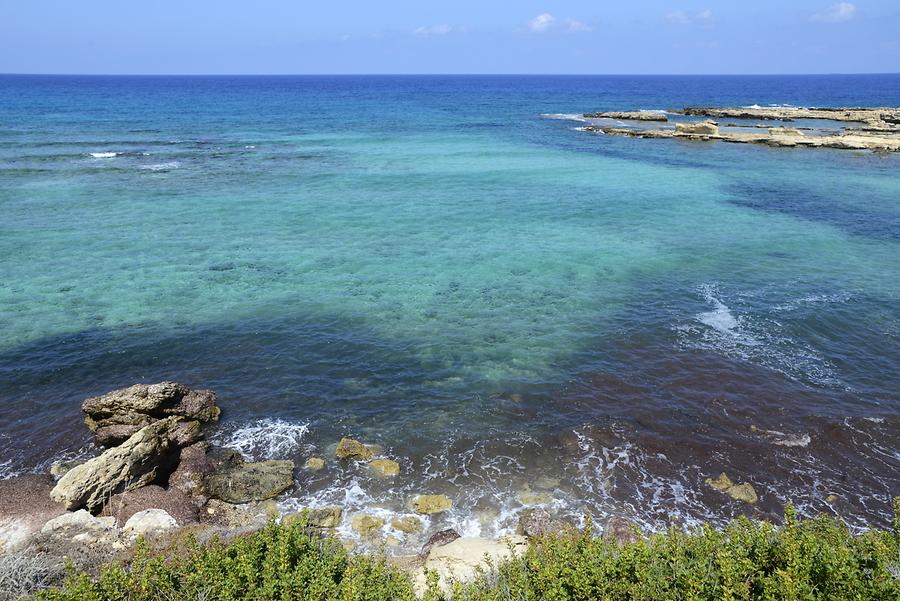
{"x": 433, "y": 264}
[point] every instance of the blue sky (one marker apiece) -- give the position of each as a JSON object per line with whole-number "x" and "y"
{"x": 464, "y": 36}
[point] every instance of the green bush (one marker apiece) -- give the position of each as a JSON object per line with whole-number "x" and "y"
{"x": 802, "y": 560}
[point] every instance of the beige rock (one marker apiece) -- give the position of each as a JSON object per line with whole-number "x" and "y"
{"x": 722, "y": 483}
{"x": 392, "y": 541}
{"x": 80, "y": 520}
{"x": 743, "y": 492}
{"x": 134, "y": 463}
{"x": 430, "y": 504}
{"x": 408, "y": 525}
{"x": 366, "y": 525}
{"x": 384, "y": 468}
{"x": 706, "y": 128}
{"x": 320, "y": 517}
{"x": 349, "y": 448}
{"x": 149, "y": 522}
{"x": 314, "y": 464}
{"x": 458, "y": 561}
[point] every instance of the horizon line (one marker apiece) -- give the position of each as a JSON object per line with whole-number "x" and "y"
{"x": 449, "y": 74}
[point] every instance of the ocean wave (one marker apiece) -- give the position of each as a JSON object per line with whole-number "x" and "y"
{"x": 104, "y": 155}
{"x": 168, "y": 166}
{"x": 565, "y": 117}
{"x": 783, "y": 439}
{"x": 756, "y": 339}
{"x": 266, "y": 439}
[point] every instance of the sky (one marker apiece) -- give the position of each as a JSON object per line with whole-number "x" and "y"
{"x": 462, "y": 36}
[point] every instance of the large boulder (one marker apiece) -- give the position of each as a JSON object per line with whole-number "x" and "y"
{"x": 149, "y": 522}
{"x": 148, "y": 455}
{"x": 247, "y": 482}
{"x": 115, "y": 416}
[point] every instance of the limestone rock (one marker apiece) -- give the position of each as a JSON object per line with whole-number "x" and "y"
{"x": 188, "y": 477}
{"x": 138, "y": 461}
{"x": 349, "y": 448}
{"x": 319, "y": 517}
{"x": 117, "y": 415}
{"x": 743, "y": 492}
{"x": 366, "y": 525}
{"x": 315, "y": 464}
{"x": 538, "y": 522}
{"x": 722, "y": 483}
{"x": 629, "y": 115}
{"x": 149, "y": 522}
{"x": 458, "y": 561}
{"x": 429, "y": 504}
{"x": 60, "y": 468}
{"x": 384, "y": 468}
{"x": 407, "y": 524}
{"x": 705, "y": 128}
{"x": 80, "y": 520}
{"x": 250, "y": 481}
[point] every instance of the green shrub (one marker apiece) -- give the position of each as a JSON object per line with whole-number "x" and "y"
{"x": 802, "y": 560}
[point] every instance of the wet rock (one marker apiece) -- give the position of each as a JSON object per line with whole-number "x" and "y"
{"x": 319, "y": 517}
{"x": 705, "y": 128}
{"x": 172, "y": 500}
{"x": 117, "y": 415}
{"x": 621, "y": 531}
{"x": 743, "y": 492}
{"x": 430, "y": 504}
{"x": 384, "y": 468}
{"x": 140, "y": 460}
{"x": 722, "y": 483}
{"x": 366, "y": 525}
{"x": 221, "y": 458}
{"x": 314, "y": 464}
{"x": 392, "y": 541}
{"x": 740, "y": 492}
{"x": 408, "y": 525}
{"x": 438, "y": 539}
{"x": 250, "y": 481}
{"x": 349, "y": 448}
{"x": 149, "y": 522}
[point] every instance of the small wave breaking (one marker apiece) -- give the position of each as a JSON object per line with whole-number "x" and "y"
{"x": 266, "y": 439}
{"x": 104, "y": 155}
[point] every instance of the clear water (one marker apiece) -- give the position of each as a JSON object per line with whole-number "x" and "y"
{"x": 435, "y": 265}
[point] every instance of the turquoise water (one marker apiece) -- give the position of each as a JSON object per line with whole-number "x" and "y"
{"x": 446, "y": 266}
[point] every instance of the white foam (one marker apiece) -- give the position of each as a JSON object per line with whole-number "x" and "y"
{"x": 267, "y": 439}
{"x": 565, "y": 117}
{"x": 162, "y": 166}
{"x": 104, "y": 155}
{"x": 720, "y": 318}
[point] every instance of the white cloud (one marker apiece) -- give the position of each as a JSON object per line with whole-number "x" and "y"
{"x": 430, "y": 30}
{"x": 542, "y": 22}
{"x": 842, "y": 11}
{"x": 680, "y": 17}
{"x": 577, "y": 26}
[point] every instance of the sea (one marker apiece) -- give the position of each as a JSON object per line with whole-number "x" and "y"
{"x": 519, "y": 312}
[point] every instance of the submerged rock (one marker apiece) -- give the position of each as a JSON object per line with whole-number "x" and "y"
{"x": 117, "y": 415}
{"x": 366, "y": 525}
{"x": 250, "y": 481}
{"x": 143, "y": 458}
{"x": 314, "y": 464}
{"x": 429, "y": 504}
{"x": 408, "y": 525}
{"x": 740, "y": 492}
{"x": 384, "y": 467}
{"x": 349, "y": 448}
{"x": 320, "y": 517}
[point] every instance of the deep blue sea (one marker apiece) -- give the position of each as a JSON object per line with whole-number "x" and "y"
{"x": 518, "y": 311}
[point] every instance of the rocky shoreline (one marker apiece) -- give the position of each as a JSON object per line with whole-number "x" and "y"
{"x": 158, "y": 478}
{"x": 879, "y": 130}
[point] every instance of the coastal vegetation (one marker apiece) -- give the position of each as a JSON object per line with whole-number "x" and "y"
{"x": 802, "y": 559}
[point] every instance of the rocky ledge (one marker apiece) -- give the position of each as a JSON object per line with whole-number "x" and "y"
{"x": 629, "y": 115}
{"x": 784, "y": 137}
{"x": 886, "y": 117}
